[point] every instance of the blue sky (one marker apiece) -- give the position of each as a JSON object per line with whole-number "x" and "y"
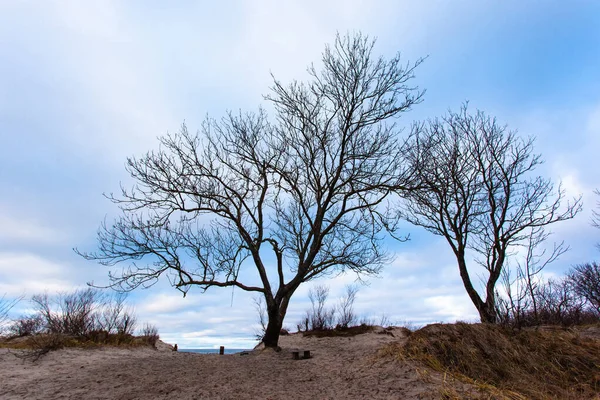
{"x": 83, "y": 85}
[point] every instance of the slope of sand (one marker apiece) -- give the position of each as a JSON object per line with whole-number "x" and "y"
{"x": 341, "y": 368}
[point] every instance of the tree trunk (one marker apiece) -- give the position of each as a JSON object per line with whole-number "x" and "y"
{"x": 487, "y": 309}
{"x": 271, "y": 337}
{"x": 487, "y": 312}
{"x": 276, "y": 310}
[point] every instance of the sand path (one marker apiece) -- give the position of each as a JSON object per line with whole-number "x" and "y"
{"x": 341, "y": 368}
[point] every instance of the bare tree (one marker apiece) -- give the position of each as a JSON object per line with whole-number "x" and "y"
{"x": 308, "y": 190}
{"x": 113, "y": 315}
{"x": 346, "y": 315}
{"x": 559, "y": 304}
{"x": 536, "y": 259}
{"x": 519, "y": 304}
{"x": 477, "y": 191}
{"x": 320, "y": 316}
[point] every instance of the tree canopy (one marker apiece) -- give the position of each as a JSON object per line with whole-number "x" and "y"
{"x": 308, "y": 189}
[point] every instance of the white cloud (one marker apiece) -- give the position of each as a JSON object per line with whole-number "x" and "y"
{"x": 22, "y": 273}
{"x": 450, "y": 308}
{"x": 162, "y": 303}
{"x": 27, "y": 230}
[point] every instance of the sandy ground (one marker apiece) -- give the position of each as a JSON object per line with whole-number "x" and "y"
{"x": 341, "y": 368}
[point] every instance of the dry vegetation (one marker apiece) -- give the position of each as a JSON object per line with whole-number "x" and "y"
{"x": 82, "y": 318}
{"x": 508, "y": 364}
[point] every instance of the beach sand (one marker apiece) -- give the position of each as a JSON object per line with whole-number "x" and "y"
{"x": 340, "y": 368}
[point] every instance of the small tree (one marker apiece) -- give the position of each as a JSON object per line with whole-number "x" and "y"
{"x": 346, "y": 315}
{"x": 319, "y": 317}
{"x": 308, "y": 190}
{"x": 476, "y": 191}
{"x": 519, "y": 305}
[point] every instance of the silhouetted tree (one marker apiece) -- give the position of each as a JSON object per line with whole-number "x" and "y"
{"x": 291, "y": 200}
{"x": 478, "y": 193}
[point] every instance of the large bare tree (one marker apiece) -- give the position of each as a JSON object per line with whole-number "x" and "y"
{"x": 479, "y": 191}
{"x": 267, "y": 205}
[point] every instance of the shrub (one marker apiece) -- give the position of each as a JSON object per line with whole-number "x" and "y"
{"x": 27, "y": 326}
{"x": 83, "y": 311}
{"x": 318, "y": 317}
{"x": 553, "y": 302}
{"x": 150, "y": 334}
{"x": 346, "y": 315}
{"x": 68, "y": 313}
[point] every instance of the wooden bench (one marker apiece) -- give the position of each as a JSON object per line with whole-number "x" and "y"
{"x": 296, "y": 355}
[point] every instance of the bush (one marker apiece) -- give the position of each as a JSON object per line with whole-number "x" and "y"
{"x": 318, "y": 317}
{"x": 27, "y": 326}
{"x": 346, "y": 315}
{"x": 113, "y": 316}
{"x": 84, "y": 317}
{"x": 554, "y": 302}
{"x": 150, "y": 334}
{"x": 68, "y": 313}
{"x": 321, "y": 321}
{"x": 83, "y": 311}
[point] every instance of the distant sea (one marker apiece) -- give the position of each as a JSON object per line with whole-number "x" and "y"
{"x": 212, "y": 351}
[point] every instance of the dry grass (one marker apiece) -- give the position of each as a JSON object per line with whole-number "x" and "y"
{"x": 506, "y": 364}
{"x": 41, "y": 344}
{"x": 350, "y": 331}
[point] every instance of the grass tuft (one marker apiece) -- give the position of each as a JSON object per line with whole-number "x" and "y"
{"x": 532, "y": 364}
{"x": 349, "y": 331}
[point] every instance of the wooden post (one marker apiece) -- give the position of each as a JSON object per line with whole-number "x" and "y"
{"x": 306, "y": 353}
{"x": 222, "y": 350}
{"x": 296, "y": 355}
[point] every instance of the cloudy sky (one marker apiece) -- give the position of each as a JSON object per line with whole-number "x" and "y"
{"x": 84, "y": 84}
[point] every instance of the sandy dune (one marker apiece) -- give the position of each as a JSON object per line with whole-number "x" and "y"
{"x": 341, "y": 368}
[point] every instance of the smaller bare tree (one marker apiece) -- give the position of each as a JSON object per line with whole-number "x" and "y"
{"x": 114, "y": 316}
{"x": 346, "y": 315}
{"x": 559, "y": 304}
{"x": 478, "y": 191}
{"x": 319, "y": 316}
{"x": 520, "y": 304}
